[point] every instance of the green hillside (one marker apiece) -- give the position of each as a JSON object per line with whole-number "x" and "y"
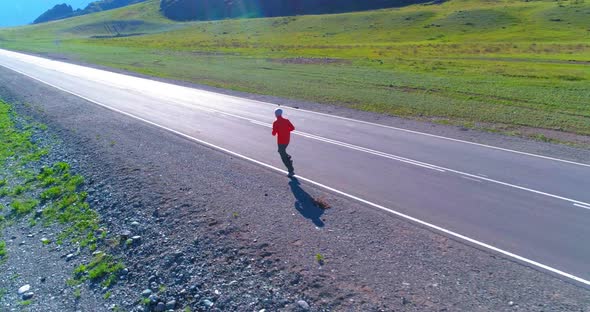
{"x": 500, "y": 65}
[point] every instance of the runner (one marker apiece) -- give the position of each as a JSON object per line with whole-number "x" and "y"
{"x": 283, "y": 128}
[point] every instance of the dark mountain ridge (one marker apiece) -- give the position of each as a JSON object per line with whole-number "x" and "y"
{"x": 64, "y": 10}
{"x": 57, "y": 12}
{"x": 183, "y": 10}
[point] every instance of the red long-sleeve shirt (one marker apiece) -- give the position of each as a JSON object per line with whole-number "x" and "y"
{"x": 283, "y": 128}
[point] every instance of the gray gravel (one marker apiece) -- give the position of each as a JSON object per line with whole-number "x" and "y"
{"x": 44, "y": 269}
{"x": 221, "y": 234}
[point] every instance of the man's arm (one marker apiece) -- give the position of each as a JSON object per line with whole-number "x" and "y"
{"x": 291, "y": 127}
{"x": 274, "y": 129}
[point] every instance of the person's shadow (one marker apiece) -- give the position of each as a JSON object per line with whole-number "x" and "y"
{"x": 305, "y": 204}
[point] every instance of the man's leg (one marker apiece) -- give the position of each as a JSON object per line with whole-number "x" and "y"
{"x": 286, "y": 158}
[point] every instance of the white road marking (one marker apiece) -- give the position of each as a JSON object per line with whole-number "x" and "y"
{"x": 37, "y": 60}
{"x": 260, "y": 123}
{"x": 582, "y": 206}
{"x": 472, "y": 179}
{"x": 399, "y": 214}
{"x": 370, "y": 151}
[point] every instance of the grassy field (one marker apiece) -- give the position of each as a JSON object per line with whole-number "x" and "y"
{"x": 505, "y": 65}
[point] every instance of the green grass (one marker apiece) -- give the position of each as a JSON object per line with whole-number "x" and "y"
{"x": 51, "y": 193}
{"x": 77, "y": 293}
{"x": 26, "y": 303}
{"x": 103, "y": 268}
{"x": 67, "y": 204}
{"x": 23, "y": 207}
{"x": 507, "y": 62}
{"x": 18, "y": 190}
{"x": 320, "y": 258}
{"x": 2, "y": 251}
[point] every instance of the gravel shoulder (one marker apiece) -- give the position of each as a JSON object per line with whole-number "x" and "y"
{"x": 221, "y": 234}
{"x": 45, "y": 269}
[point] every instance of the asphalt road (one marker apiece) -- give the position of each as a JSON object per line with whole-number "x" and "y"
{"x": 532, "y": 208}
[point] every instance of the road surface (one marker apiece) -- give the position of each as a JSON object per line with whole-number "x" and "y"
{"x": 532, "y": 208}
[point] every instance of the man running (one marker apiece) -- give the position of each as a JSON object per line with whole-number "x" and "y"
{"x": 283, "y": 128}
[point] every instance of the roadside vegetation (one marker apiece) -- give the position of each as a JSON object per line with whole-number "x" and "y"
{"x": 2, "y": 251}
{"x": 49, "y": 196}
{"x": 102, "y": 268}
{"x": 508, "y": 66}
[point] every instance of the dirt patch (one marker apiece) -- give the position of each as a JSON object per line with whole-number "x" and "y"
{"x": 549, "y": 135}
{"x": 310, "y": 61}
{"x": 509, "y": 59}
{"x": 58, "y": 57}
{"x": 117, "y": 36}
{"x": 208, "y": 53}
{"x": 537, "y": 134}
{"x": 409, "y": 89}
{"x": 113, "y": 27}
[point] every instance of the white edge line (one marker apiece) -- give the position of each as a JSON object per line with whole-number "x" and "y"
{"x": 325, "y": 114}
{"x": 399, "y": 214}
{"x": 582, "y": 206}
{"x": 472, "y": 179}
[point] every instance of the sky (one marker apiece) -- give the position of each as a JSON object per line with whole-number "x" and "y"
{"x": 22, "y": 12}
